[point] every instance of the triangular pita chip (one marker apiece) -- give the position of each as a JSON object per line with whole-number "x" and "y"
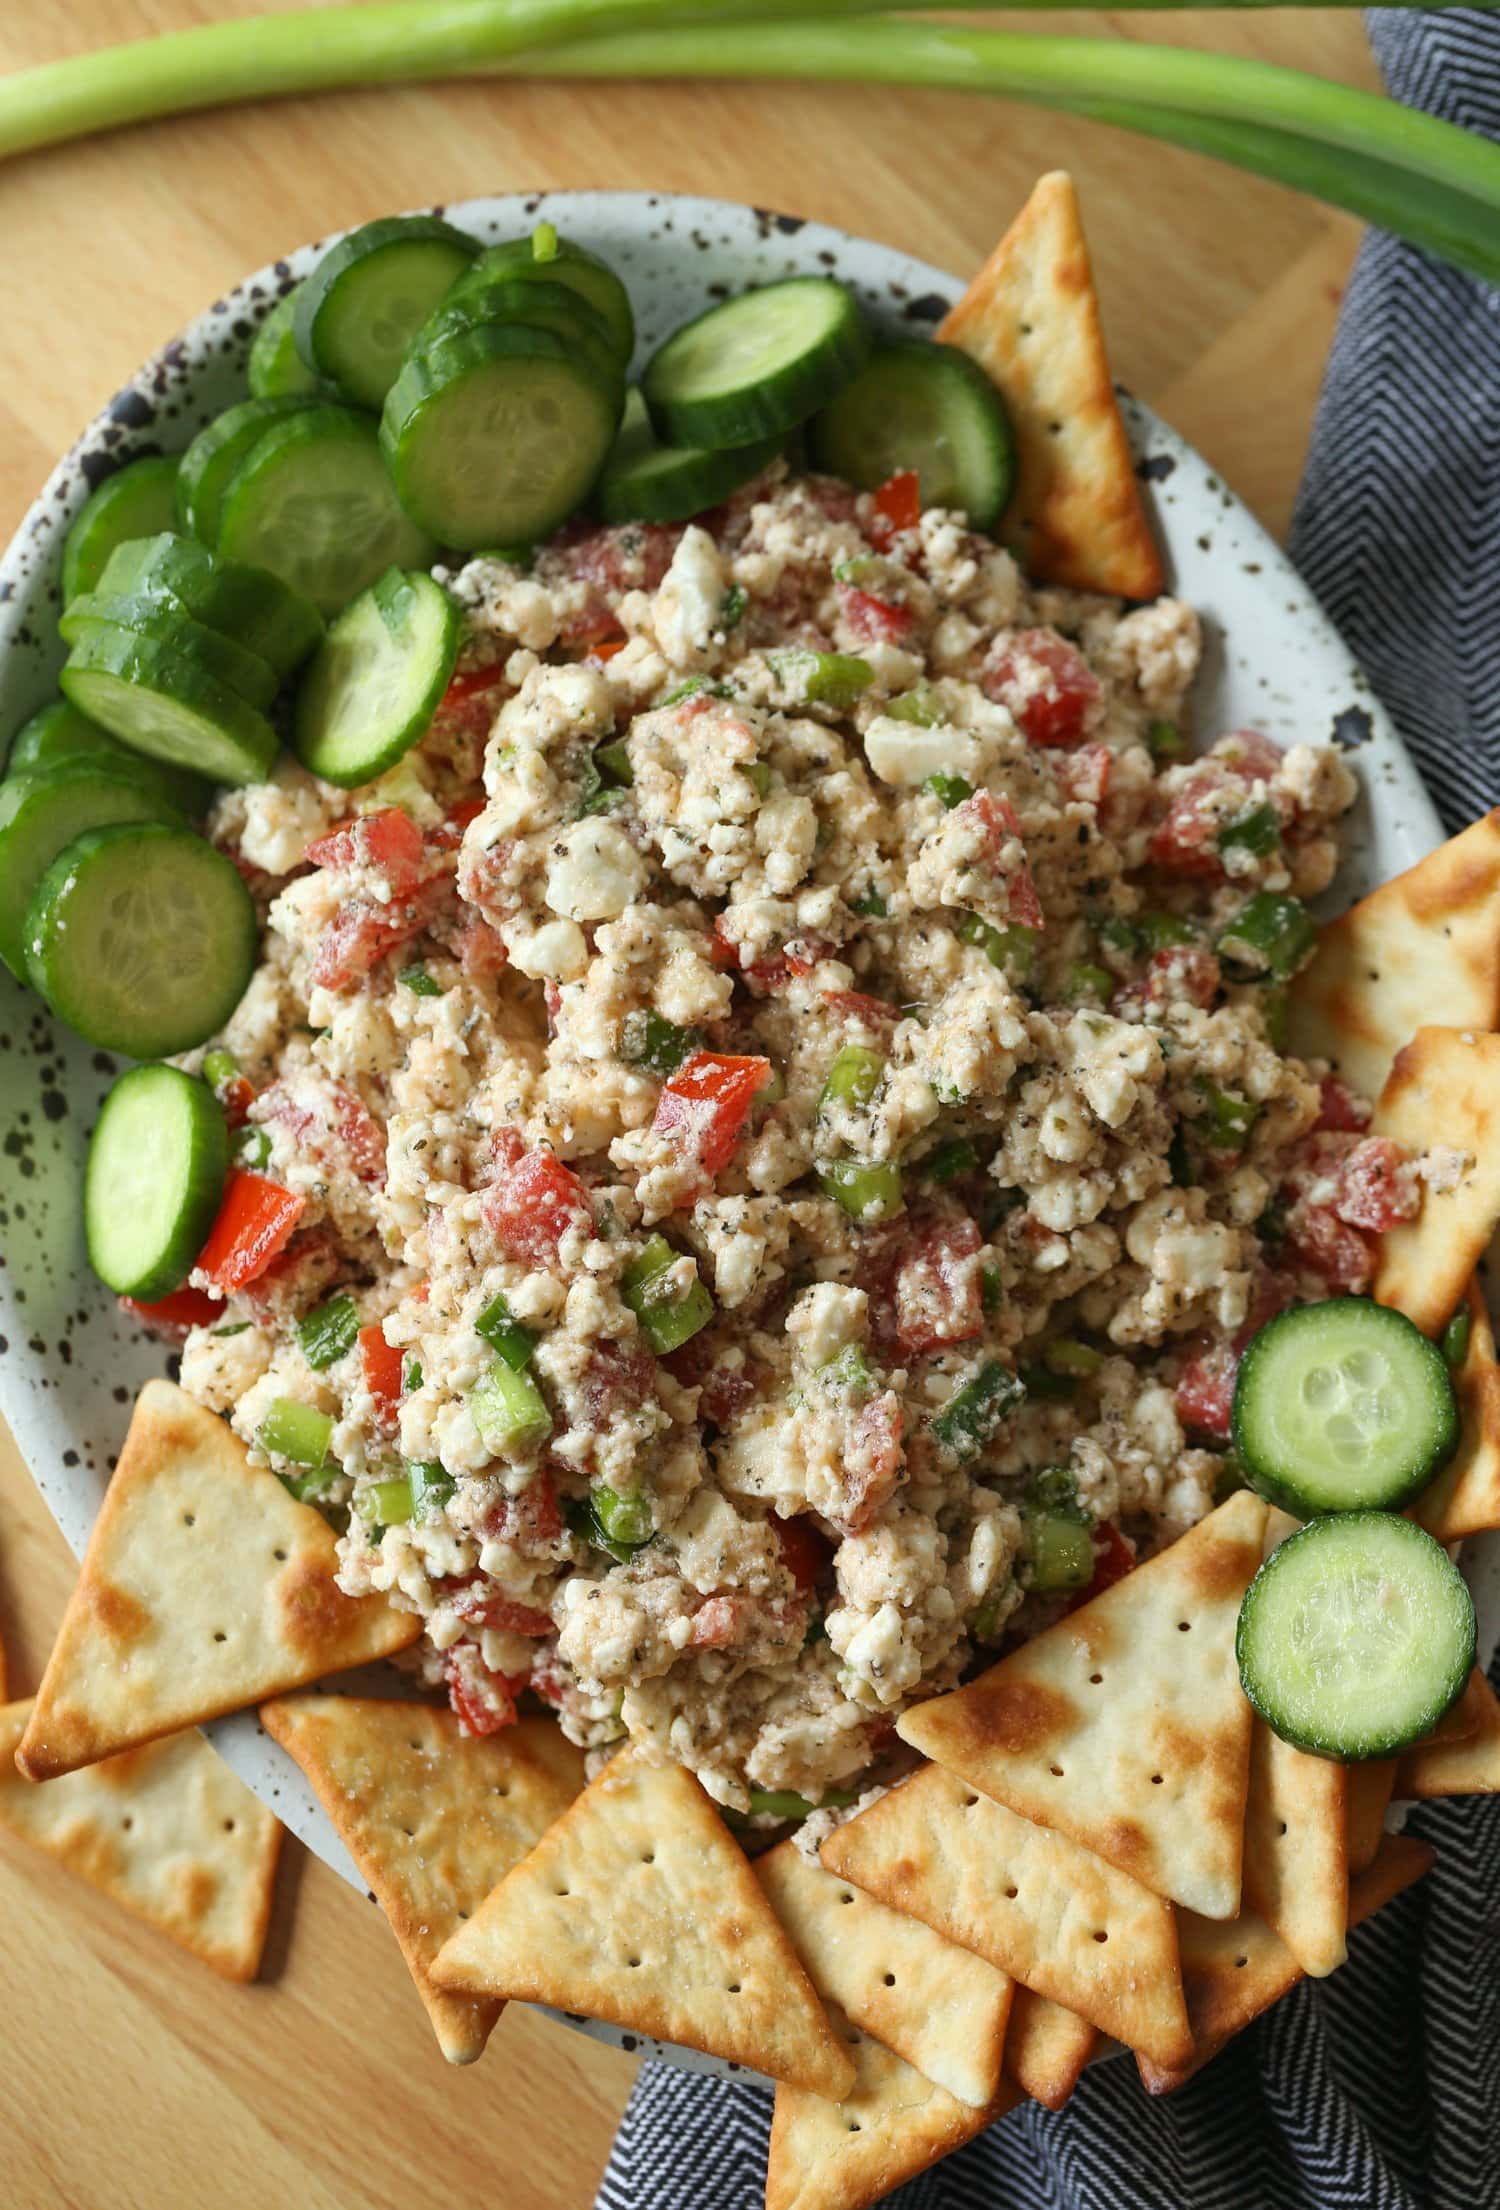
{"x": 205, "y": 1587}
{"x": 891, "y": 2124}
{"x": 1464, "y": 1767}
{"x": 1443, "y": 1090}
{"x": 1047, "y": 2047}
{"x": 1369, "y": 1798}
{"x": 1296, "y": 1851}
{"x": 1423, "y": 948}
{"x": 1034, "y": 1904}
{"x": 1124, "y": 1725}
{"x": 940, "y": 2007}
{"x": 638, "y": 1907}
{"x": 1465, "y": 1497}
{"x": 1235, "y": 1972}
{"x": 433, "y": 1820}
{"x": 168, "y": 1831}
{"x": 1031, "y": 320}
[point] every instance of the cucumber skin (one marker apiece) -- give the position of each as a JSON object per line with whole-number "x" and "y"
{"x": 134, "y": 801}
{"x": 1320, "y": 1745}
{"x": 630, "y": 491}
{"x": 205, "y": 1176}
{"x": 1288, "y": 1495}
{"x": 317, "y": 290}
{"x": 214, "y": 457}
{"x": 58, "y": 733}
{"x": 144, "y": 666}
{"x": 308, "y": 715}
{"x": 257, "y": 609}
{"x": 749, "y": 412}
{"x": 275, "y": 369}
{"x": 514, "y": 261}
{"x": 158, "y": 622}
{"x": 830, "y": 452}
{"x": 474, "y": 306}
{"x": 150, "y": 481}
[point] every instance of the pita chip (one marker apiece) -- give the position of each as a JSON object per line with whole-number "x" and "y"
{"x": 1234, "y": 1972}
{"x": 205, "y": 1587}
{"x": 1443, "y": 1090}
{"x": 167, "y": 1831}
{"x": 1124, "y": 1726}
{"x": 891, "y": 2124}
{"x": 1462, "y": 1767}
{"x": 1047, "y": 2048}
{"x": 432, "y": 1818}
{"x": 1370, "y": 1786}
{"x": 1031, "y": 320}
{"x": 1052, "y": 1915}
{"x": 639, "y": 1907}
{"x": 940, "y": 2007}
{"x": 1465, "y": 1497}
{"x": 1296, "y": 1848}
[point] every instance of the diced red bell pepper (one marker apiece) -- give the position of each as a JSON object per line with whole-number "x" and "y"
{"x": 531, "y": 1518}
{"x": 1085, "y": 773}
{"x": 255, "y": 1221}
{"x": 898, "y": 507}
{"x": 997, "y": 818}
{"x": 1375, "y": 1190}
{"x": 872, "y": 621}
{"x": 870, "y": 1461}
{"x": 389, "y": 840}
{"x": 472, "y": 683}
{"x": 935, "y": 1292}
{"x": 804, "y": 1553}
{"x": 720, "y": 1621}
{"x": 483, "y": 1701}
{"x": 479, "y": 1603}
{"x": 531, "y": 1205}
{"x": 364, "y": 930}
{"x": 1338, "y": 1107}
{"x": 173, "y": 1315}
{"x": 705, "y": 1104}
{"x": 1205, "y": 1392}
{"x": 449, "y": 833}
{"x": 1182, "y": 971}
{"x": 1329, "y": 1247}
{"x": 854, "y": 1005}
{"x": 1045, "y": 684}
{"x": 381, "y": 1364}
{"x": 607, "y": 648}
{"x": 1113, "y": 1559}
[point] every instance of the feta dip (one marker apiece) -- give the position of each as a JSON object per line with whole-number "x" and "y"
{"x": 776, "y": 1127}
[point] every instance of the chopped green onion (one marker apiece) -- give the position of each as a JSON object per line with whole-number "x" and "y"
{"x": 1068, "y": 1356}
{"x": 296, "y": 1431}
{"x": 419, "y": 982}
{"x": 305, "y": 1486}
{"x": 648, "y": 1039}
{"x": 785, "y": 1803}
{"x": 508, "y": 1410}
{"x": 1273, "y": 1013}
{"x": 625, "y": 1519}
{"x": 986, "y": 1622}
{"x": 329, "y": 1331}
{"x": 1256, "y": 830}
{"x": 921, "y": 707}
{"x": 411, "y": 1378}
{"x": 866, "y": 1192}
{"x": 732, "y": 612}
{"x": 514, "y": 1342}
{"x": 974, "y": 1414}
{"x": 695, "y": 686}
{"x": 1047, "y": 1388}
{"x": 1054, "y": 1489}
{"x": 1060, "y": 1551}
{"x": 870, "y": 904}
{"x": 431, "y": 1484}
{"x": 847, "y": 1369}
{"x": 952, "y": 789}
{"x": 1158, "y": 932}
{"x": 758, "y": 775}
{"x": 1455, "y": 1339}
{"x": 544, "y": 242}
{"x": 1012, "y": 946}
{"x": 251, "y": 1147}
{"x": 853, "y": 1078}
{"x": 1088, "y": 981}
{"x": 1165, "y": 740}
{"x": 991, "y": 1289}
{"x": 584, "y": 1521}
{"x": 947, "y": 1160}
{"x": 231, "y": 1327}
{"x": 1226, "y": 1119}
{"x": 863, "y": 568}
{"x": 1119, "y": 935}
{"x": 613, "y": 761}
{"x": 1271, "y": 932}
{"x": 386, "y": 1503}
{"x": 219, "y": 1069}
{"x": 823, "y": 678}
{"x": 668, "y": 1317}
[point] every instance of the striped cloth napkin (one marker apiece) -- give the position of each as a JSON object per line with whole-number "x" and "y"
{"x": 1379, "y": 2088}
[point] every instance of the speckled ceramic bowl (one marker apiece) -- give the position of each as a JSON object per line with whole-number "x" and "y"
{"x": 69, "y": 1366}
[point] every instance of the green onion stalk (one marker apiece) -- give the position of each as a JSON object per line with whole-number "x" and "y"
{"x": 1426, "y": 180}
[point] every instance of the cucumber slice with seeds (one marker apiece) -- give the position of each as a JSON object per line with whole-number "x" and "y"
{"x": 275, "y": 369}
{"x": 59, "y": 732}
{"x": 494, "y": 437}
{"x": 546, "y": 258}
{"x": 249, "y": 604}
{"x": 138, "y": 498}
{"x": 160, "y": 704}
{"x": 215, "y": 454}
{"x": 209, "y": 649}
{"x": 370, "y": 294}
{"x": 756, "y": 366}
{"x": 155, "y": 1175}
{"x": 375, "y": 684}
{"x": 41, "y": 812}
{"x": 314, "y": 504}
{"x": 1342, "y": 1406}
{"x": 1355, "y": 1636}
{"x": 926, "y": 407}
{"x": 141, "y": 938}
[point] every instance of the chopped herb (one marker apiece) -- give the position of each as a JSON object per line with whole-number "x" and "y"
{"x": 1226, "y": 1119}
{"x": 329, "y": 1332}
{"x": 231, "y": 1327}
{"x": 991, "y": 1289}
{"x": 952, "y": 789}
{"x": 650, "y": 1040}
{"x": 1012, "y": 946}
{"x": 731, "y": 613}
{"x": 1256, "y": 830}
{"x": 514, "y": 1342}
{"x": 411, "y": 1377}
{"x": 696, "y": 686}
{"x": 974, "y": 1414}
{"x": 947, "y": 1160}
{"x": 1165, "y": 740}
{"x": 419, "y": 982}
{"x": 870, "y": 904}
{"x": 1270, "y": 933}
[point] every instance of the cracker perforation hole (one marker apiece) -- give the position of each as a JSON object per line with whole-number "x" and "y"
{"x": 969, "y": 1802}
{"x": 220, "y": 1635}
{"x": 1056, "y": 1771}
{"x": 1157, "y": 1779}
{"x": 279, "y": 1556}
{"x": 1100, "y": 1934}
{"x": 189, "y": 1519}
{"x": 1011, "y": 1894}
{"x": 1096, "y": 1680}
{"x": 1184, "y": 1626}
{"x": 890, "y": 1979}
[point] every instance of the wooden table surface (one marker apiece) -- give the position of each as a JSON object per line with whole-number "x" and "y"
{"x": 132, "y": 2077}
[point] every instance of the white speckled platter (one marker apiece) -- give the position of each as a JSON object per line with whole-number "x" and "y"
{"x": 69, "y": 1366}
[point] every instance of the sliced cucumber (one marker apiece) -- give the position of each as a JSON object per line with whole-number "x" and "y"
{"x": 160, "y": 704}
{"x": 370, "y": 294}
{"x": 536, "y": 305}
{"x": 141, "y": 938}
{"x": 41, "y": 811}
{"x": 647, "y": 482}
{"x": 314, "y": 504}
{"x": 275, "y": 369}
{"x": 1355, "y": 1636}
{"x": 546, "y": 258}
{"x": 494, "y": 437}
{"x": 375, "y": 684}
{"x": 1342, "y": 1406}
{"x": 251, "y": 605}
{"x": 155, "y": 1175}
{"x": 216, "y": 452}
{"x": 136, "y": 499}
{"x": 927, "y": 407}
{"x": 758, "y": 365}
{"x": 60, "y": 732}
{"x": 209, "y": 649}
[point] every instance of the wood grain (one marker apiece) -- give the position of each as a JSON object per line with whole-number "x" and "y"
{"x": 131, "y": 2075}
